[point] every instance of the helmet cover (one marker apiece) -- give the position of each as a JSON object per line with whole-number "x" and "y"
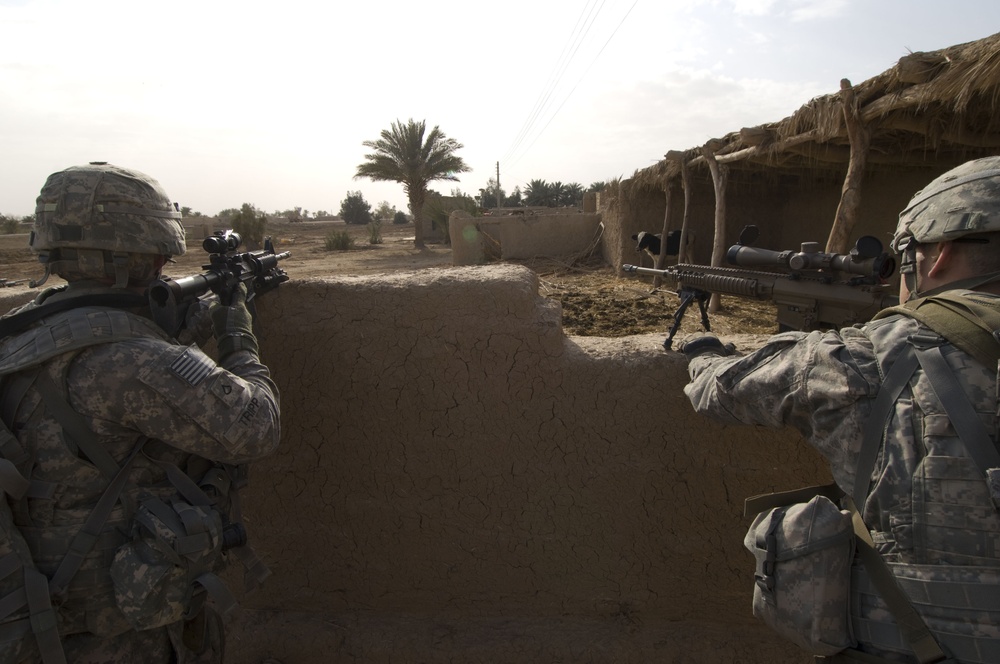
{"x": 105, "y": 207}
{"x": 963, "y": 201}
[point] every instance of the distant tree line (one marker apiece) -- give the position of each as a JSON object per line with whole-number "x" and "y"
{"x": 537, "y": 193}
{"x": 10, "y": 224}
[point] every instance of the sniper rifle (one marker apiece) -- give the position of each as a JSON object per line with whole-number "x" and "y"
{"x": 811, "y": 289}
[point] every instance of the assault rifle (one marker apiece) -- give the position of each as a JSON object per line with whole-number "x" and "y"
{"x": 169, "y": 299}
{"x": 812, "y": 290}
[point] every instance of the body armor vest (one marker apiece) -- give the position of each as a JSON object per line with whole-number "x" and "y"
{"x": 943, "y": 544}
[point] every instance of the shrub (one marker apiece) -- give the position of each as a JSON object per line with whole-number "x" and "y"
{"x": 339, "y": 241}
{"x": 375, "y": 231}
{"x": 251, "y": 226}
{"x": 400, "y": 218}
{"x": 9, "y": 225}
{"x": 355, "y": 209}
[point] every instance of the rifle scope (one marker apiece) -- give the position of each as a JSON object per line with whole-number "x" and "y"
{"x": 866, "y": 259}
{"x": 222, "y": 242}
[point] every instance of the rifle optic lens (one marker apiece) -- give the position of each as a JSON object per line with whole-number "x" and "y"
{"x": 222, "y": 242}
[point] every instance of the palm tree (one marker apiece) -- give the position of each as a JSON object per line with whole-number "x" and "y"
{"x": 403, "y": 155}
{"x": 537, "y": 193}
{"x": 572, "y": 194}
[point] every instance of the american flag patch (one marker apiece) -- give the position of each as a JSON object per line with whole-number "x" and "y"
{"x": 192, "y": 367}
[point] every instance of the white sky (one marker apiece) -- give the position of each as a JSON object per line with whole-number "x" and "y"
{"x": 231, "y": 102}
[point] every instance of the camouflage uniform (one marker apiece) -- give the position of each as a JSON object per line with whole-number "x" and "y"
{"x": 126, "y": 381}
{"x": 929, "y": 507}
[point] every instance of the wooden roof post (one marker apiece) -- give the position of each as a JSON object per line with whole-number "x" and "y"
{"x": 850, "y": 195}
{"x": 661, "y": 258}
{"x": 719, "y": 177}
{"x": 684, "y": 252}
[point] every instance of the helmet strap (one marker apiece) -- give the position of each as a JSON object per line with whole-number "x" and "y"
{"x": 120, "y": 262}
{"x": 44, "y": 258}
{"x": 908, "y": 269}
{"x": 86, "y": 261}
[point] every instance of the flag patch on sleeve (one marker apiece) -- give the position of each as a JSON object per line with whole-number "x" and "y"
{"x": 192, "y": 366}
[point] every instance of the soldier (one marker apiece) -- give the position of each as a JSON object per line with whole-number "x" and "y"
{"x": 904, "y": 408}
{"x": 123, "y": 448}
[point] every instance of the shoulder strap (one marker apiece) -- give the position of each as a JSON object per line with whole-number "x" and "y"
{"x": 67, "y": 332}
{"x": 87, "y": 536}
{"x": 17, "y": 322}
{"x": 75, "y": 426}
{"x": 895, "y": 380}
{"x": 967, "y": 319}
{"x": 961, "y": 413}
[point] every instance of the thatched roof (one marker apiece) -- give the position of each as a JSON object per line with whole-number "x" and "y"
{"x": 931, "y": 109}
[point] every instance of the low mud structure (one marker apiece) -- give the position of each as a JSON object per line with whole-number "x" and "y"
{"x": 459, "y": 481}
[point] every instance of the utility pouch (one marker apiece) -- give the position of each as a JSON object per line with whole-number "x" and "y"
{"x": 174, "y": 549}
{"x": 803, "y": 576}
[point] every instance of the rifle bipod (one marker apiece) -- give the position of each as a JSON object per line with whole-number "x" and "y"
{"x": 687, "y": 296}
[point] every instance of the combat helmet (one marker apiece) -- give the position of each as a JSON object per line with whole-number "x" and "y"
{"x": 963, "y": 201}
{"x": 100, "y": 220}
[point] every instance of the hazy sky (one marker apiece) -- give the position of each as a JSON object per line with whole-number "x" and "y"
{"x": 268, "y": 102}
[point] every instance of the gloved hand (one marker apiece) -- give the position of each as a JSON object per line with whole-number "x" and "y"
{"x": 704, "y": 343}
{"x": 198, "y": 327}
{"x": 233, "y": 325}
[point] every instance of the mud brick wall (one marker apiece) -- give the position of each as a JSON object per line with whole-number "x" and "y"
{"x": 458, "y": 481}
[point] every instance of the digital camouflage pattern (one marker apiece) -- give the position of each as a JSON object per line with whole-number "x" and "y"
{"x": 100, "y": 206}
{"x": 99, "y": 220}
{"x": 928, "y": 504}
{"x": 195, "y": 412}
{"x": 802, "y": 582}
{"x": 963, "y": 201}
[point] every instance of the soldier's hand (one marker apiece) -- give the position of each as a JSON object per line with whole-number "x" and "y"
{"x": 705, "y": 343}
{"x": 233, "y": 325}
{"x": 198, "y": 328}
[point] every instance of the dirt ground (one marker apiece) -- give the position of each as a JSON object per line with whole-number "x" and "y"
{"x": 597, "y": 300}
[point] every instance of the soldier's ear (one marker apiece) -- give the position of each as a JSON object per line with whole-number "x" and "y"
{"x": 940, "y": 257}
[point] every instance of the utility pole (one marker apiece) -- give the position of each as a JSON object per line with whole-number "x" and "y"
{"x": 498, "y": 185}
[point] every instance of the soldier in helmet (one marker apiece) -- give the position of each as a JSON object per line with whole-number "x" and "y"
{"x": 122, "y": 449}
{"x": 904, "y": 408}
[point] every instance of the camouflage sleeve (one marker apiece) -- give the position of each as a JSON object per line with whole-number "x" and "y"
{"x": 820, "y": 383}
{"x": 180, "y": 396}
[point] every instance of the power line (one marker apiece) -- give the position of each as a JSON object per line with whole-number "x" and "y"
{"x": 557, "y": 72}
{"x": 512, "y": 150}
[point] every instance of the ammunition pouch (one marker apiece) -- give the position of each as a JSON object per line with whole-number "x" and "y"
{"x": 160, "y": 576}
{"x": 802, "y": 587}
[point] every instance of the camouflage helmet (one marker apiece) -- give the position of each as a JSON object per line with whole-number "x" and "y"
{"x": 101, "y": 220}
{"x": 963, "y": 201}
